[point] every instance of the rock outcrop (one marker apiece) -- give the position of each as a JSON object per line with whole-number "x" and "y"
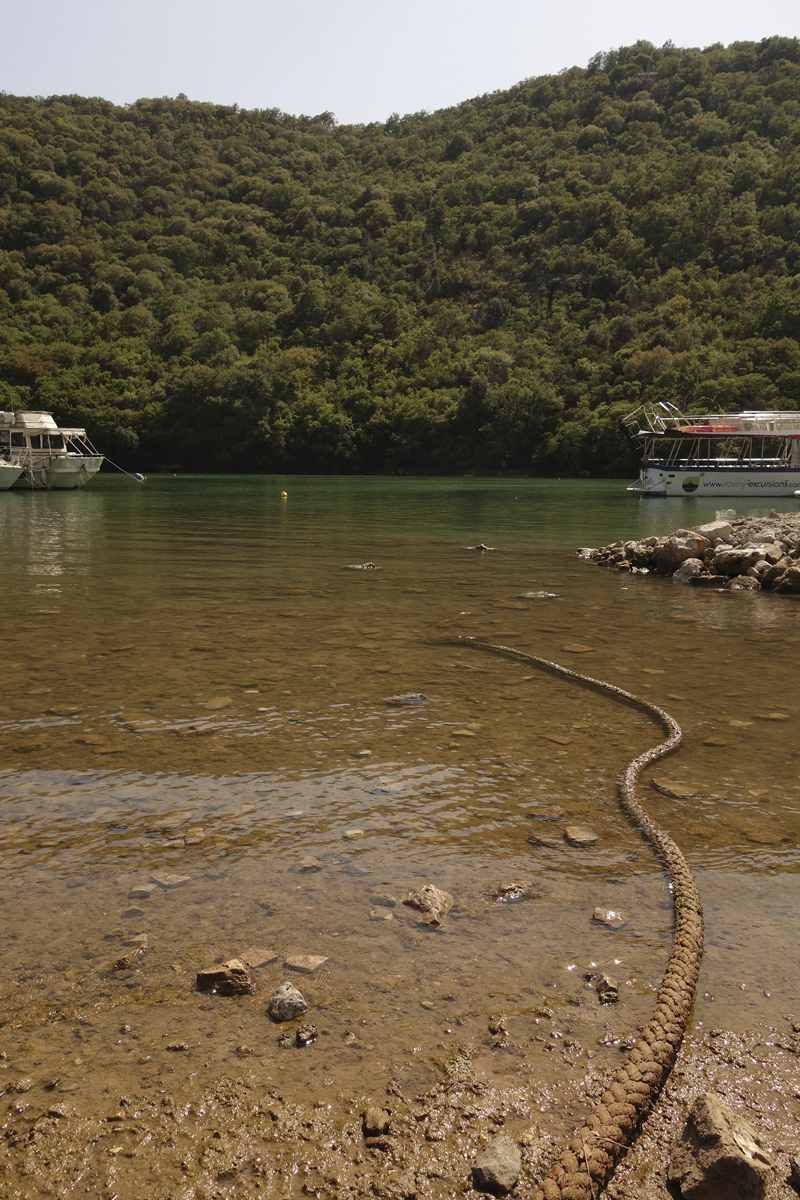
{"x": 750, "y": 554}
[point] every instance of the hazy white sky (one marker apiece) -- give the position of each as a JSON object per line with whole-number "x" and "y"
{"x": 361, "y": 59}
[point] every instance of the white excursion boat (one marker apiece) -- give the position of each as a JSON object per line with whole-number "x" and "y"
{"x": 42, "y": 455}
{"x": 728, "y": 454}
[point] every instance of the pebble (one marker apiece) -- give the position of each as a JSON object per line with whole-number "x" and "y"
{"x": 255, "y": 956}
{"x": 306, "y": 1034}
{"x": 715, "y": 742}
{"x": 376, "y": 1121}
{"x": 558, "y": 738}
{"x": 142, "y": 891}
{"x": 219, "y": 702}
{"x": 381, "y": 914}
{"x": 309, "y": 863}
{"x": 286, "y": 1003}
{"x": 740, "y": 724}
{"x": 580, "y": 835}
{"x": 177, "y": 1046}
{"x": 607, "y": 989}
{"x": 352, "y": 834}
{"x": 514, "y": 890}
{"x": 676, "y": 791}
{"x": 462, "y": 733}
{"x": 613, "y": 917}
{"x": 166, "y": 880}
{"x": 578, "y": 648}
{"x": 134, "y": 910}
{"x": 546, "y": 812}
{"x": 232, "y": 978}
{"x": 305, "y": 963}
{"x": 383, "y": 900}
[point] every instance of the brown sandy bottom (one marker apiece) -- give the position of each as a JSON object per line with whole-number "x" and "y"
{"x": 235, "y": 1138}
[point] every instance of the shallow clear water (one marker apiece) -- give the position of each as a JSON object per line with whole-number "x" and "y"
{"x": 193, "y": 681}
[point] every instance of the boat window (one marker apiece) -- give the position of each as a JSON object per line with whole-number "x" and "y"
{"x": 18, "y": 439}
{"x": 56, "y": 441}
{"x": 36, "y": 441}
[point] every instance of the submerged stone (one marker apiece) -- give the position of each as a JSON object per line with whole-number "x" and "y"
{"x": 580, "y": 835}
{"x": 612, "y": 917}
{"x": 432, "y": 902}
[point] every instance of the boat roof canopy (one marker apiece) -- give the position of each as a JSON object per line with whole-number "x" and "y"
{"x": 35, "y": 422}
{"x": 662, "y": 419}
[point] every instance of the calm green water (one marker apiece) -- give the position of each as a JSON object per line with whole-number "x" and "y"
{"x": 195, "y": 682}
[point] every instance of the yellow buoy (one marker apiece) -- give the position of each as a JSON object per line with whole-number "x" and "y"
{"x": 284, "y": 495}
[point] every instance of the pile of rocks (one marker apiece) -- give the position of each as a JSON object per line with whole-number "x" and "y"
{"x": 742, "y": 555}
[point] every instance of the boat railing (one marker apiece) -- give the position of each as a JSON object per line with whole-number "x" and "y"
{"x": 662, "y": 418}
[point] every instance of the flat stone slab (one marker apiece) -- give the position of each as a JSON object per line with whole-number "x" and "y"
{"x": 548, "y": 840}
{"x": 546, "y": 812}
{"x": 305, "y": 963}
{"x": 142, "y": 891}
{"x": 166, "y": 879}
{"x": 580, "y": 835}
{"x": 255, "y": 956}
{"x": 676, "y": 791}
{"x": 558, "y": 738}
{"x": 614, "y": 918}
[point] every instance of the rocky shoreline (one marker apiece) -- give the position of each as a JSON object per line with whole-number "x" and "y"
{"x": 748, "y": 554}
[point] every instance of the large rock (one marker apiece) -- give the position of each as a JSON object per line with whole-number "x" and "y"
{"x": 771, "y": 577}
{"x": 718, "y": 1157}
{"x": 677, "y": 549}
{"x": 714, "y": 530}
{"x": 789, "y": 581}
{"x": 743, "y": 583}
{"x": 688, "y": 569}
{"x": 286, "y": 1003}
{"x": 735, "y": 561}
{"x": 496, "y": 1169}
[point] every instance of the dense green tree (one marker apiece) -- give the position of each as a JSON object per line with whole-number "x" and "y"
{"x": 489, "y": 287}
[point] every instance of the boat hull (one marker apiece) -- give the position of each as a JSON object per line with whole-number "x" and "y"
{"x": 59, "y": 473}
{"x": 728, "y": 481}
{"x": 9, "y": 475}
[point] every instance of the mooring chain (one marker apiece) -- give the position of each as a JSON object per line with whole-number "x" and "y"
{"x": 588, "y": 1161}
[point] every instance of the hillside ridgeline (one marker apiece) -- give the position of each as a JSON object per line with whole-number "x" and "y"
{"x": 485, "y": 288}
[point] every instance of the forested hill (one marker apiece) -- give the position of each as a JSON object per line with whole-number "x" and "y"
{"x": 483, "y": 288}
